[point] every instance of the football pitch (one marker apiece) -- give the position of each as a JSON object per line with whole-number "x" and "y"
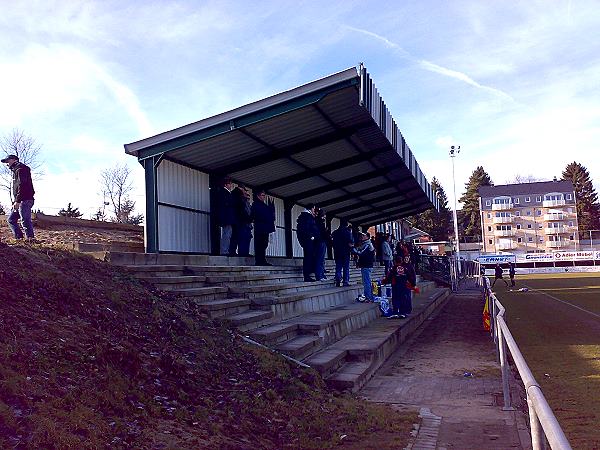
{"x": 556, "y": 324}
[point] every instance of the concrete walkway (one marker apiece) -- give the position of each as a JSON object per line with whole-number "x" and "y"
{"x": 448, "y": 372}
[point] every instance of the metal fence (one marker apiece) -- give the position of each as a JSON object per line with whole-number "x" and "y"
{"x": 437, "y": 267}
{"x": 544, "y": 426}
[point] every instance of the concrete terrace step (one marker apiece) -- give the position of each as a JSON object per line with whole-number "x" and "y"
{"x": 351, "y": 361}
{"x": 297, "y": 304}
{"x": 167, "y": 283}
{"x": 249, "y": 319}
{"x": 251, "y": 279}
{"x": 224, "y": 307}
{"x": 301, "y": 346}
{"x": 203, "y": 293}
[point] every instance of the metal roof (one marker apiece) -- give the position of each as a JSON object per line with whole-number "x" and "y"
{"x": 540, "y": 187}
{"x": 332, "y": 142}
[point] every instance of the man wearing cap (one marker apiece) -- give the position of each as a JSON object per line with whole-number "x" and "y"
{"x": 22, "y": 189}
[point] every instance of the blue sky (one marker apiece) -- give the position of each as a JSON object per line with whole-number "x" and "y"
{"x": 516, "y": 84}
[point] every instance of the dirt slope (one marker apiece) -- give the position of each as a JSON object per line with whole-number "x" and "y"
{"x": 90, "y": 358}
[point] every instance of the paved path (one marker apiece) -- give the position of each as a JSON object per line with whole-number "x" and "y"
{"x": 428, "y": 373}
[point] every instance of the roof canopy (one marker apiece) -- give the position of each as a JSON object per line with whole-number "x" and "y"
{"x": 331, "y": 142}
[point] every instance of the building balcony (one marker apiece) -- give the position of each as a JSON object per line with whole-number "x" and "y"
{"x": 503, "y": 219}
{"x": 557, "y": 244}
{"x": 555, "y": 217}
{"x": 502, "y": 206}
{"x": 553, "y": 203}
{"x": 556, "y": 230}
{"x": 506, "y": 245}
{"x": 501, "y": 233}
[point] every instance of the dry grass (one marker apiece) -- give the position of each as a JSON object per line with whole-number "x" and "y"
{"x": 562, "y": 347}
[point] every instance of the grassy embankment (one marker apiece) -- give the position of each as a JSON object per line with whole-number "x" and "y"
{"x": 91, "y": 358}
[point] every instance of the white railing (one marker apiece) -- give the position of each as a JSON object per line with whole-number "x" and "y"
{"x": 506, "y": 246}
{"x": 501, "y": 206}
{"x": 509, "y": 219}
{"x": 542, "y": 420}
{"x": 553, "y": 203}
{"x": 554, "y": 216}
{"x": 557, "y": 244}
{"x": 556, "y": 230}
{"x": 504, "y": 232}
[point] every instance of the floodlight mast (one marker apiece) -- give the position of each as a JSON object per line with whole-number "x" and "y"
{"x": 455, "y": 150}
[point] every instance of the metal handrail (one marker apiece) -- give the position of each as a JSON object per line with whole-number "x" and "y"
{"x": 542, "y": 420}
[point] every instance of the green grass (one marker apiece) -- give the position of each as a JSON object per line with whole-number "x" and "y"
{"x": 561, "y": 344}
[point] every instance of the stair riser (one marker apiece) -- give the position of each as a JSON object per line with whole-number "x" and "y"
{"x": 207, "y": 297}
{"x": 254, "y": 325}
{"x": 338, "y": 330}
{"x": 305, "y": 351}
{"x": 221, "y": 313}
{"x": 175, "y": 286}
{"x": 242, "y": 283}
{"x": 288, "y": 310}
{"x": 274, "y": 340}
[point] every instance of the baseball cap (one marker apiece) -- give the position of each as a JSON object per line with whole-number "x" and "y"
{"x": 9, "y": 157}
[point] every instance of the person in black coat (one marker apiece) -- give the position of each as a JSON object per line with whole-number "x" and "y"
{"x": 307, "y": 233}
{"x": 263, "y": 215}
{"x": 242, "y": 226}
{"x": 22, "y": 191}
{"x": 225, "y": 213}
{"x": 342, "y": 247}
{"x": 498, "y": 275}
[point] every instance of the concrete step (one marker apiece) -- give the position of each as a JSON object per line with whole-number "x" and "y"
{"x": 300, "y": 346}
{"x": 203, "y": 293}
{"x": 350, "y": 362}
{"x": 263, "y": 290}
{"x": 250, "y": 279}
{"x": 293, "y": 305}
{"x": 170, "y": 283}
{"x": 224, "y": 307}
{"x": 249, "y": 319}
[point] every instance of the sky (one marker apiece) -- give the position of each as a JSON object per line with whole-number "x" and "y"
{"x": 515, "y": 84}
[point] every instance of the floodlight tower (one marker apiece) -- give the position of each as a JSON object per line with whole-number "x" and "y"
{"x": 455, "y": 150}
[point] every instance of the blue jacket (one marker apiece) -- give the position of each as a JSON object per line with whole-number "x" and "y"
{"x": 342, "y": 243}
{"x": 306, "y": 228}
{"x": 264, "y": 217}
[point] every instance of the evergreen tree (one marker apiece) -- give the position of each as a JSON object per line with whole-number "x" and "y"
{"x": 588, "y": 210}
{"x": 470, "y": 217}
{"x": 70, "y": 212}
{"x": 437, "y": 224}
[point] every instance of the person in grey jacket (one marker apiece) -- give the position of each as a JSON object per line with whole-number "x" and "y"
{"x": 386, "y": 253}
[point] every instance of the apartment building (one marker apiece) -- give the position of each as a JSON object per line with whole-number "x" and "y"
{"x": 529, "y": 217}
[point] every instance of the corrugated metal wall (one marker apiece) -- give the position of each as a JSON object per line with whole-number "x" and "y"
{"x": 183, "y": 209}
{"x": 277, "y": 239}
{"x": 296, "y": 210}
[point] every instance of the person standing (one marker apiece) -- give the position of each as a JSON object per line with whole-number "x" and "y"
{"x": 498, "y": 275}
{"x": 306, "y": 233}
{"x": 342, "y": 247}
{"x": 263, "y": 215}
{"x": 511, "y": 273}
{"x": 321, "y": 241}
{"x": 22, "y": 190}
{"x": 225, "y": 214}
{"x": 386, "y": 253}
{"x": 242, "y": 226}
{"x": 366, "y": 258}
{"x": 402, "y": 277}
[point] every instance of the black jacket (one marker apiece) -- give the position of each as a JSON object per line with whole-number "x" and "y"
{"x": 366, "y": 255}
{"x": 342, "y": 243}
{"x": 22, "y": 186}
{"x": 224, "y": 207}
{"x": 263, "y": 215}
{"x": 306, "y": 228}
{"x": 241, "y": 207}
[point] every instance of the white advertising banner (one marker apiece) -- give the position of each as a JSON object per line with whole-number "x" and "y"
{"x": 530, "y": 257}
{"x": 571, "y": 256}
{"x": 494, "y": 259}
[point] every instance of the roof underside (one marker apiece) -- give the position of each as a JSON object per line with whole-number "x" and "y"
{"x": 331, "y": 142}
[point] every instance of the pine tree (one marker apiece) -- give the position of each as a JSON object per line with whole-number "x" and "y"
{"x": 470, "y": 217}
{"x": 588, "y": 209}
{"x": 70, "y": 212}
{"x": 437, "y": 224}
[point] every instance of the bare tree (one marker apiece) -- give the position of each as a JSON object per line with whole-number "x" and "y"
{"x": 27, "y": 149}
{"x": 521, "y": 179}
{"x": 116, "y": 185}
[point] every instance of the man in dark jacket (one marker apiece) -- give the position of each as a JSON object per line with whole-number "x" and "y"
{"x": 263, "y": 215}
{"x": 22, "y": 190}
{"x": 342, "y": 246}
{"x": 225, "y": 212}
{"x": 366, "y": 257}
{"x": 307, "y": 232}
{"x": 242, "y": 226}
{"x": 498, "y": 275}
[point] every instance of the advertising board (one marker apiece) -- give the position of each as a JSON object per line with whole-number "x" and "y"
{"x": 495, "y": 259}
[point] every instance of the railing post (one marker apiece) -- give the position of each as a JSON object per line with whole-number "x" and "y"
{"x": 504, "y": 368}
{"x": 538, "y": 441}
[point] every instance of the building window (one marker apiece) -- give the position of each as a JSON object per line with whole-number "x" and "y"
{"x": 541, "y": 239}
{"x": 489, "y": 228}
{"x": 518, "y": 226}
{"x": 569, "y": 197}
{"x": 540, "y": 226}
{"x": 570, "y": 223}
{"x": 519, "y": 240}
{"x": 489, "y": 215}
{"x": 528, "y": 212}
{"x": 538, "y": 212}
{"x": 572, "y": 237}
{"x": 538, "y": 198}
{"x": 530, "y": 239}
{"x": 529, "y": 225}
{"x": 516, "y": 201}
{"x": 517, "y": 213}
{"x": 490, "y": 241}
{"x": 527, "y": 199}
{"x": 488, "y": 203}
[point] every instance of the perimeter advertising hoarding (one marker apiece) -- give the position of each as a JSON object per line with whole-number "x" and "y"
{"x": 560, "y": 256}
{"x": 495, "y": 259}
